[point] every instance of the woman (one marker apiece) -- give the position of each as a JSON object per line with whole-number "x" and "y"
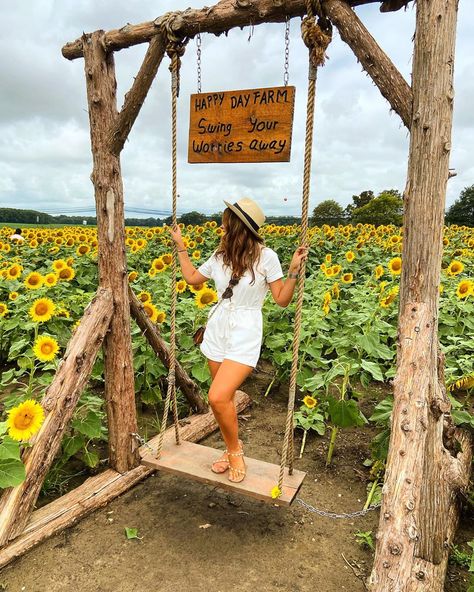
{"x": 243, "y": 269}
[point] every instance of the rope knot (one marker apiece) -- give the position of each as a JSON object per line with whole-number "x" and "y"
{"x": 175, "y": 47}
{"x": 316, "y": 36}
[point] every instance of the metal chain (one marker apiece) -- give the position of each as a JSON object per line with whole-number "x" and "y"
{"x": 286, "y": 74}
{"x": 356, "y": 514}
{"x": 198, "y": 51}
{"x": 142, "y": 441}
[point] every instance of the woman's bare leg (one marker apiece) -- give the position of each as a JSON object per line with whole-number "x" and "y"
{"x": 227, "y": 379}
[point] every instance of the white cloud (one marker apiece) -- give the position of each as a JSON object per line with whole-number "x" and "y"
{"x": 45, "y": 159}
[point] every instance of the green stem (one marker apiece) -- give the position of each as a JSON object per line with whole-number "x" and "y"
{"x": 270, "y": 386}
{"x": 371, "y": 494}
{"x": 332, "y": 443}
{"x": 305, "y": 432}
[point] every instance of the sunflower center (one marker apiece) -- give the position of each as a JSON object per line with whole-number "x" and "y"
{"x": 46, "y": 348}
{"x": 41, "y": 308}
{"x": 23, "y": 420}
{"x": 206, "y": 298}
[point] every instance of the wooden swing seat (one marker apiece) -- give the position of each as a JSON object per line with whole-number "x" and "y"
{"x": 194, "y": 461}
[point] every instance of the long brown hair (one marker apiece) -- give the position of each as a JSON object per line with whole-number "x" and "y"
{"x": 240, "y": 248}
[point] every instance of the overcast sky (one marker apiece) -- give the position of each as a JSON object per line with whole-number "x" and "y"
{"x": 45, "y": 158}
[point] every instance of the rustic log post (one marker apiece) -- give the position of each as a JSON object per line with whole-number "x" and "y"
{"x": 150, "y": 331}
{"x": 107, "y": 179}
{"x": 59, "y": 403}
{"x": 423, "y": 478}
{"x": 374, "y": 60}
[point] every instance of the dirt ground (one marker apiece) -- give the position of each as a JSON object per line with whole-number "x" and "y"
{"x": 199, "y": 539}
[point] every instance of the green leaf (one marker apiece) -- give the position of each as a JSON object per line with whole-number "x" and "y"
{"x": 3, "y": 427}
{"x": 132, "y": 533}
{"x": 373, "y": 369}
{"x": 9, "y": 448}
{"x": 200, "y": 372}
{"x": 91, "y": 458}
{"x": 24, "y": 362}
{"x": 7, "y": 376}
{"x": 382, "y": 411}
{"x": 12, "y": 472}
{"x": 345, "y": 414}
{"x": 72, "y": 444}
{"x": 90, "y": 425}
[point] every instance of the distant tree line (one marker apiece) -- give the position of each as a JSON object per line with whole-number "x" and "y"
{"x": 386, "y": 208}
{"x": 366, "y": 207}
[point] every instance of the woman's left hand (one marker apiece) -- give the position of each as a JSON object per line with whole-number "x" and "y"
{"x": 299, "y": 256}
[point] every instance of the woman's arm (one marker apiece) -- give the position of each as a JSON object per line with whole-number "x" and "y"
{"x": 282, "y": 291}
{"x": 190, "y": 273}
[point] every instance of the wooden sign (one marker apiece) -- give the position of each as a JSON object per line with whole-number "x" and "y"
{"x": 252, "y": 125}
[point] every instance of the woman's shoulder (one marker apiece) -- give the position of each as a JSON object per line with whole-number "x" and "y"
{"x": 268, "y": 253}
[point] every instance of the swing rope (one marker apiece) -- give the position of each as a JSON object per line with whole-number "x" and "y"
{"x": 316, "y": 36}
{"x": 175, "y": 50}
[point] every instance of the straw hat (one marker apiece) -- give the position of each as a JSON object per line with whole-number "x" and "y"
{"x": 249, "y": 212}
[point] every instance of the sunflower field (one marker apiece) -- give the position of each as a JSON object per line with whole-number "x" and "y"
{"x": 348, "y": 332}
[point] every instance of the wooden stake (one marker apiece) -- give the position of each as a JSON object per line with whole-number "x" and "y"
{"x": 107, "y": 179}
{"x": 99, "y": 490}
{"x": 423, "y": 478}
{"x": 150, "y": 331}
{"x": 59, "y": 404}
{"x": 135, "y": 97}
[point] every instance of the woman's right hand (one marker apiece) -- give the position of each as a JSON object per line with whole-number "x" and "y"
{"x": 176, "y": 235}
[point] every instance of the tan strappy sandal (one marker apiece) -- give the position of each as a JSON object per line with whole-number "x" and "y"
{"x": 221, "y": 461}
{"x": 237, "y": 475}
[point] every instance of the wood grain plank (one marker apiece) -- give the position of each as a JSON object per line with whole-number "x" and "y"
{"x": 194, "y": 461}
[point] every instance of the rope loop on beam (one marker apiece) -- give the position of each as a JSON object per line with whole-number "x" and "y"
{"x": 175, "y": 46}
{"x": 316, "y": 35}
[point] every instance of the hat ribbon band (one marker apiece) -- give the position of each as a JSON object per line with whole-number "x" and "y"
{"x": 252, "y": 223}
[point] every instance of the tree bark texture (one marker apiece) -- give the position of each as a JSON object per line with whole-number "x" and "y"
{"x": 150, "y": 331}
{"x": 59, "y": 403}
{"x": 99, "y": 490}
{"x": 374, "y": 60}
{"x": 216, "y": 19}
{"x": 419, "y": 510}
{"x": 135, "y": 97}
{"x": 107, "y": 179}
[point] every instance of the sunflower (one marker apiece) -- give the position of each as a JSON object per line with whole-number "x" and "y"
{"x": 82, "y": 249}
{"x": 387, "y": 301}
{"x": 59, "y": 264}
{"x": 181, "y": 286}
{"x": 347, "y": 278}
{"x": 42, "y": 309}
{"x": 327, "y": 302}
{"x": 167, "y": 258}
{"x": 350, "y": 256}
{"x": 205, "y": 296}
{"x": 310, "y": 402}
{"x": 151, "y": 310}
{"x": 66, "y": 273}
{"x": 50, "y": 279}
{"x": 152, "y": 272}
{"x": 25, "y": 420}
{"x": 336, "y": 269}
{"x": 45, "y": 348}
{"x": 196, "y": 255}
{"x": 14, "y": 271}
{"x": 465, "y": 289}
{"x": 378, "y": 271}
{"x": 335, "y": 290}
{"x": 455, "y": 267}
{"x": 13, "y": 295}
{"x": 132, "y": 276}
{"x": 158, "y": 265}
{"x": 63, "y": 313}
{"x": 161, "y": 316}
{"x": 395, "y": 266}
{"x": 144, "y": 296}
{"x": 34, "y": 280}
{"x": 328, "y": 258}
{"x": 3, "y": 309}
{"x": 197, "y": 287}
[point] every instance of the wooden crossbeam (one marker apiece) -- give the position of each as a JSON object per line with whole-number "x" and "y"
{"x": 99, "y": 490}
{"x": 59, "y": 402}
{"x": 150, "y": 331}
{"x": 217, "y": 19}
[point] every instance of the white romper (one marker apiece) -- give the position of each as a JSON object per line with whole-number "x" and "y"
{"x": 234, "y": 331}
